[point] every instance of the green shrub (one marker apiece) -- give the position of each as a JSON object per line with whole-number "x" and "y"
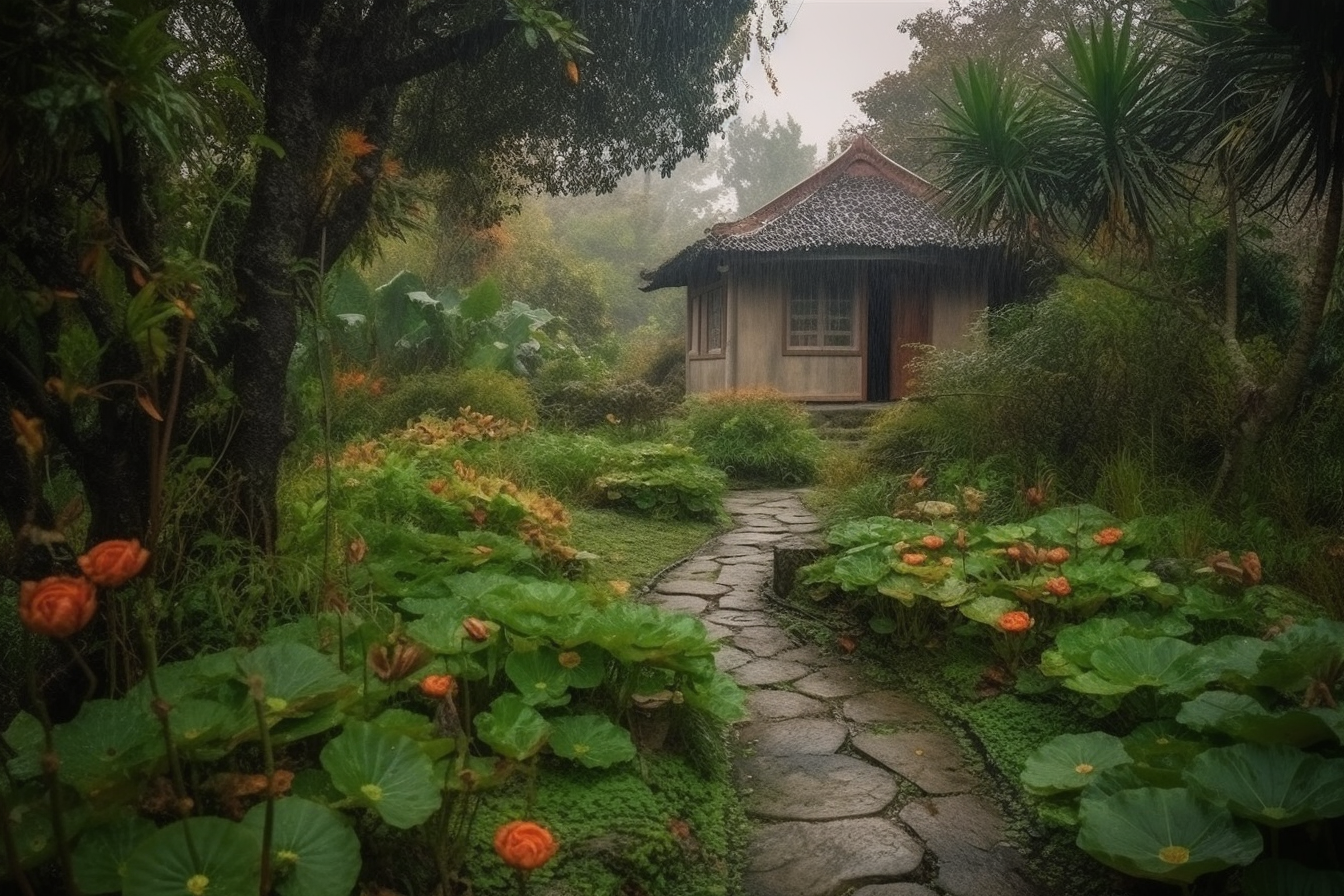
{"x": 444, "y": 393}
{"x": 753, "y": 435}
{"x": 665, "y": 481}
{"x": 560, "y": 464}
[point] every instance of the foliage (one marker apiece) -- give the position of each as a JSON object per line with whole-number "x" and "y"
{"x": 753, "y": 435}
{"x": 762, "y": 160}
{"x": 665, "y": 481}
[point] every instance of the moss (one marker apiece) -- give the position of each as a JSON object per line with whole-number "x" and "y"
{"x": 661, "y": 828}
{"x": 634, "y": 548}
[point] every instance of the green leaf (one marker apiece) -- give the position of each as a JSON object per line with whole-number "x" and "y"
{"x": 383, "y": 771}
{"x": 1273, "y": 784}
{"x": 1077, "y": 643}
{"x": 105, "y": 743}
{"x": 25, "y": 737}
{"x": 591, "y": 741}
{"x": 313, "y": 850}
{"x": 101, "y": 856}
{"x": 1162, "y": 750}
{"x": 539, "y": 677}
{"x": 1090, "y": 682}
{"x": 1302, "y": 653}
{"x": 987, "y": 610}
{"x": 1165, "y": 834}
{"x": 512, "y": 728}
{"x": 1280, "y": 877}
{"x": 482, "y": 301}
{"x": 225, "y": 862}
{"x": 1071, "y": 525}
{"x": 296, "y": 678}
{"x": 1071, "y": 762}
{"x": 203, "y": 728}
{"x": 862, "y": 570}
{"x": 1147, "y": 662}
{"x": 1056, "y": 665}
{"x": 1243, "y": 718}
{"x": 718, "y": 695}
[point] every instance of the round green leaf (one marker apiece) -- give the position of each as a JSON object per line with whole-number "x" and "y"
{"x": 1302, "y": 653}
{"x": 1147, "y": 662}
{"x": 1162, "y": 750}
{"x": 1243, "y": 718}
{"x": 1071, "y": 762}
{"x": 314, "y": 851}
{"x": 1279, "y": 877}
{"x": 1077, "y": 642}
{"x": 718, "y": 695}
{"x": 987, "y": 610}
{"x": 100, "y": 857}
{"x": 1273, "y": 784}
{"x": 295, "y": 677}
{"x": 383, "y": 771}
{"x": 538, "y": 676}
{"x": 591, "y": 741}
{"x": 1168, "y": 835}
{"x": 105, "y": 743}
{"x": 512, "y": 728}
{"x": 227, "y": 861}
{"x": 585, "y": 666}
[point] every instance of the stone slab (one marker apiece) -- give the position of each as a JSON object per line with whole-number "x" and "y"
{"x": 694, "y": 587}
{"x": 741, "y": 599}
{"x": 965, "y": 833}
{"x": 931, "y": 760}
{"x": 727, "y": 552}
{"x": 886, "y": 707}
{"x": 717, "y": 632}
{"x": 753, "y": 574}
{"x": 806, "y": 654}
{"x": 810, "y": 787}
{"x": 827, "y": 858}
{"x": 693, "y": 568}
{"x": 792, "y": 736}
{"x": 829, "y": 683}
{"x": 750, "y": 537}
{"x": 762, "y": 642}
{"x": 797, "y": 519}
{"x": 729, "y": 658}
{"x": 776, "y": 705}
{"x": 740, "y": 618}
{"x": 767, "y": 671}
{"x": 679, "y": 603}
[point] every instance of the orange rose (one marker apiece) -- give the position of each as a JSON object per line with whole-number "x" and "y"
{"x": 437, "y": 686}
{"x": 57, "y": 606}
{"x": 1015, "y": 621}
{"x": 1056, "y": 556}
{"x": 476, "y": 629}
{"x": 1108, "y": 535}
{"x": 524, "y": 845}
{"x": 115, "y": 562}
{"x": 912, "y": 559}
{"x": 1058, "y": 586}
{"x": 933, "y": 542}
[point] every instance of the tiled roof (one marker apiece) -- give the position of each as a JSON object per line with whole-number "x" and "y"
{"x": 862, "y": 201}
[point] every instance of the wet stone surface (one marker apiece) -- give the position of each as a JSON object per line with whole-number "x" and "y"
{"x": 829, "y": 823}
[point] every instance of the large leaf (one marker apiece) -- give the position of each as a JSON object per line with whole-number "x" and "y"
{"x": 538, "y": 676}
{"x": 1165, "y": 834}
{"x": 1071, "y": 762}
{"x": 1302, "y": 653}
{"x": 1273, "y": 784}
{"x": 1162, "y": 750}
{"x": 105, "y": 743}
{"x": 1077, "y": 643}
{"x": 1147, "y": 662}
{"x": 221, "y": 860}
{"x": 100, "y": 858}
{"x": 591, "y": 741}
{"x": 383, "y": 771}
{"x": 1243, "y": 718}
{"x": 512, "y": 728}
{"x": 313, "y": 850}
{"x": 988, "y": 610}
{"x": 482, "y": 301}
{"x": 718, "y": 695}
{"x": 295, "y": 677}
{"x": 1072, "y": 524}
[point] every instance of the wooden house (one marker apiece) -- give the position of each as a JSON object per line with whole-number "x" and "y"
{"x": 828, "y": 291}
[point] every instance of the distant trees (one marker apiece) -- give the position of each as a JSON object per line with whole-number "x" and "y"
{"x": 763, "y": 159}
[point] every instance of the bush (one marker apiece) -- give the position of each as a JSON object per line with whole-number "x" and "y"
{"x": 444, "y": 393}
{"x": 754, "y": 435}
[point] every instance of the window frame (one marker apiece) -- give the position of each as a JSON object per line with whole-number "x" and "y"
{"x": 826, "y": 295}
{"x": 705, "y": 303}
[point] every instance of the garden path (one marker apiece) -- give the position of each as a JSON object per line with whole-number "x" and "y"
{"x": 852, "y": 787}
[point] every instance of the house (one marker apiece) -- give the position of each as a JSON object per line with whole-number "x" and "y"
{"x": 828, "y": 291}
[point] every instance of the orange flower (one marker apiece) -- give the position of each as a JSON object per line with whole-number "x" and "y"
{"x": 1015, "y": 621}
{"x": 572, "y": 71}
{"x": 57, "y": 606}
{"x": 437, "y": 686}
{"x": 570, "y": 659}
{"x": 354, "y": 144}
{"x": 1250, "y": 568}
{"x": 476, "y": 629}
{"x": 912, "y": 559}
{"x": 438, "y": 485}
{"x": 933, "y": 542}
{"x": 961, "y": 540}
{"x": 1056, "y": 556}
{"x": 1058, "y": 586}
{"x": 524, "y": 845}
{"x": 917, "y": 480}
{"x": 27, "y": 433}
{"x": 115, "y": 562}
{"x": 1109, "y": 535}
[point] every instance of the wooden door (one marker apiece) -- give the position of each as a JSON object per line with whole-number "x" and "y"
{"x": 910, "y": 327}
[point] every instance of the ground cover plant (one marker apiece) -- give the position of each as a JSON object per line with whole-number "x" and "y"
{"x": 1204, "y": 717}
{"x": 754, "y": 435}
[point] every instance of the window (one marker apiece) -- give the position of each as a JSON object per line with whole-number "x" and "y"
{"x": 821, "y": 318}
{"x": 706, "y": 319}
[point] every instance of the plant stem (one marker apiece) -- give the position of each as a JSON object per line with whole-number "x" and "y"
{"x": 83, "y": 667}
{"x": 12, "y": 850}
{"x": 268, "y": 756}
{"x": 51, "y": 765}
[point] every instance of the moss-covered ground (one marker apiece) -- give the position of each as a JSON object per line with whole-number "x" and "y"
{"x": 633, "y": 548}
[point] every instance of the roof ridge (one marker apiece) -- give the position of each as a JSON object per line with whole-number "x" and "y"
{"x": 861, "y": 154}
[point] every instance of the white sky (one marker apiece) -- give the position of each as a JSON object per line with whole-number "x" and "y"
{"x": 832, "y": 49}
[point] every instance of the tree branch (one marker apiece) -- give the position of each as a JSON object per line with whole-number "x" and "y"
{"x": 467, "y": 46}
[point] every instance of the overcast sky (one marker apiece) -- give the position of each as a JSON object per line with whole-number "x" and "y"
{"x": 832, "y": 49}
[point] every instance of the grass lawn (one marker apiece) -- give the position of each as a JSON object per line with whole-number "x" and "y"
{"x": 634, "y": 548}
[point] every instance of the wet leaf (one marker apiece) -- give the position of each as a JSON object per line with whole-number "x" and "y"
{"x": 383, "y": 771}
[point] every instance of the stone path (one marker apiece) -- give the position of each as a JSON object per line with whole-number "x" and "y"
{"x": 853, "y": 788}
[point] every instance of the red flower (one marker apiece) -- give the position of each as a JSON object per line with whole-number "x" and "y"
{"x": 1058, "y": 586}
{"x": 524, "y": 845}
{"x": 933, "y": 542}
{"x": 437, "y": 686}
{"x": 1015, "y": 621}
{"x": 1109, "y": 535}
{"x": 115, "y": 562}
{"x": 1056, "y": 556}
{"x": 57, "y": 606}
